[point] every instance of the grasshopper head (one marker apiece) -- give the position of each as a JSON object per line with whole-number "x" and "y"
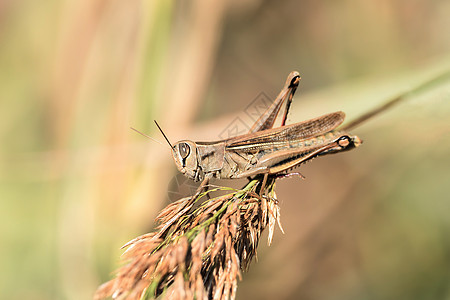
{"x": 185, "y": 155}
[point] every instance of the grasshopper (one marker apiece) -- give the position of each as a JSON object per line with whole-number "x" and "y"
{"x": 265, "y": 150}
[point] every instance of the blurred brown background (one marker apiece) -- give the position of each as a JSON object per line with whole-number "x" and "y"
{"x": 76, "y": 183}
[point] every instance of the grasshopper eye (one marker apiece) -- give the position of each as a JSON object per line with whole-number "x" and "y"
{"x": 184, "y": 150}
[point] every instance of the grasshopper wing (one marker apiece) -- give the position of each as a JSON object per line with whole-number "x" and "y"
{"x": 285, "y": 134}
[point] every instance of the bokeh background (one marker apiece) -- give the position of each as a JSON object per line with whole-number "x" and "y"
{"x": 76, "y": 183}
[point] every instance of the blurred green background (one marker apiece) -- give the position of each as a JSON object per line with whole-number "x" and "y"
{"x": 76, "y": 183}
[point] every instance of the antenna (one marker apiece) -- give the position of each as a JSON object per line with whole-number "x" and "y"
{"x": 146, "y": 136}
{"x": 163, "y": 134}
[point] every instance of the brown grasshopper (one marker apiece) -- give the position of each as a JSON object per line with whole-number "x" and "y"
{"x": 265, "y": 150}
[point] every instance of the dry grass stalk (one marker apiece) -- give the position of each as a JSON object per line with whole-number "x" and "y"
{"x": 201, "y": 255}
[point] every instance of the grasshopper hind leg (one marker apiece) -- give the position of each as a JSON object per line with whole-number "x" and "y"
{"x": 267, "y": 119}
{"x": 295, "y": 80}
{"x": 287, "y": 175}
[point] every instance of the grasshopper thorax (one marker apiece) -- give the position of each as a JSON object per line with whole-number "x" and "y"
{"x": 185, "y": 156}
